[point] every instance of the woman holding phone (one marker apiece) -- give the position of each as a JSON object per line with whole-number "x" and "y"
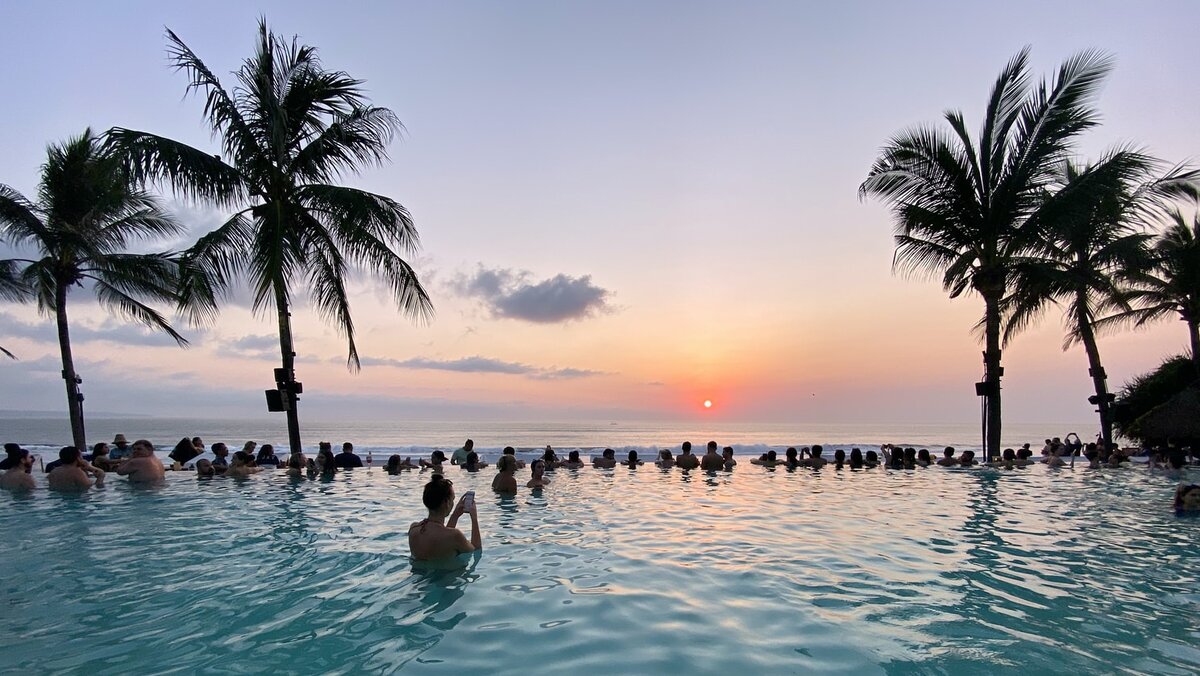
{"x": 436, "y": 538}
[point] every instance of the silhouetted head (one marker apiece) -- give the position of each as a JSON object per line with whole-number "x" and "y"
{"x": 727, "y": 452}
{"x": 712, "y": 447}
{"x": 508, "y": 450}
{"x": 771, "y": 456}
{"x": 69, "y": 455}
{"x": 507, "y": 463}
{"x": 469, "y": 444}
{"x": 839, "y": 456}
{"x": 609, "y": 453}
{"x": 393, "y": 464}
{"x": 438, "y": 457}
{"x": 948, "y": 453}
{"x": 872, "y": 458}
{"x": 816, "y": 451}
{"x": 687, "y": 447}
{"x": 1009, "y": 454}
{"x": 347, "y": 447}
{"x": 790, "y": 453}
{"x": 633, "y": 458}
{"x": 923, "y": 455}
{"x": 472, "y": 460}
{"x": 573, "y": 456}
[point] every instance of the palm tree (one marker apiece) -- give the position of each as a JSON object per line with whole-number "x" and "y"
{"x": 288, "y": 129}
{"x": 1172, "y": 284}
{"x": 88, "y": 212}
{"x": 12, "y": 288}
{"x": 1093, "y": 237}
{"x": 962, "y": 207}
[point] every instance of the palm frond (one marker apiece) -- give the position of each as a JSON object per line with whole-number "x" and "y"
{"x": 189, "y": 172}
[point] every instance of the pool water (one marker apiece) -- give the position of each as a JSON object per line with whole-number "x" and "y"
{"x": 611, "y": 571}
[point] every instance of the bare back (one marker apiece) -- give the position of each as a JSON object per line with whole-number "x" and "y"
{"x": 17, "y": 480}
{"x": 143, "y": 470}
{"x": 68, "y": 478}
{"x": 428, "y": 540}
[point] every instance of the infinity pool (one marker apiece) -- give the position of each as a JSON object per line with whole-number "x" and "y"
{"x": 611, "y": 571}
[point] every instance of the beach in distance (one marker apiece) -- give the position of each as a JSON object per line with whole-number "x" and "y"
{"x": 44, "y": 436}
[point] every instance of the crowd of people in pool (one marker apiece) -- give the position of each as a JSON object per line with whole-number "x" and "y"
{"x": 75, "y": 471}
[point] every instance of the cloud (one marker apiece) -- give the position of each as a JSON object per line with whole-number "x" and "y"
{"x": 482, "y": 365}
{"x": 110, "y": 330}
{"x": 512, "y": 295}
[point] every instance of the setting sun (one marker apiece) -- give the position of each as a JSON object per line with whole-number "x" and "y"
{"x": 707, "y": 403}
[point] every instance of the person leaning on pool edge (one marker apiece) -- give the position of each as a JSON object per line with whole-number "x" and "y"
{"x": 430, "y": 538}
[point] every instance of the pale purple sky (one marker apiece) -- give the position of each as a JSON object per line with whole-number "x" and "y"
{"x": 626, "y": 207}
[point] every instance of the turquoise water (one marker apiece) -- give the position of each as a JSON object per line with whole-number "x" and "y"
{"x": 611, "y": 571}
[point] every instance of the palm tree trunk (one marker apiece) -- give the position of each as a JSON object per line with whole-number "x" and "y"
{"x": 288, "y": 383}
{"x": 1194, "y": 334}
{"x": 992, "y": 372}
{"x": 1096, "y": 370}
{"x": 74, "y": 398}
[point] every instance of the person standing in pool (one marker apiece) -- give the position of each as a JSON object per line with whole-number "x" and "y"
{"x": 538, "y": 469}
{"x": 686, "y": 459}
{"x": 572, "y": 461}
{"x": 436, "y": 538}
{"x": 712, "y": 461}
{"x": 17, "y": 477}
{"x": 606, "y": 461}
{"x": 72, "y": 475}
{"x": 142, "y": 467}
{"x": 505, "y": 481}
{"x": 459, "y": 457}
{"x": 120, "y": 448}
{"x": 728, "y": 459}
{"x": 347, "y": 459}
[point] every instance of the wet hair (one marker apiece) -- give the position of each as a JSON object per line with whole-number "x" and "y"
{"x": 533, "y": 465}
{"x": 923, "y": 455}
{"x": 265, "y": 452}
{"x": 573, "y": 456}
{"x": 665, "y": 453}
{"x": 68, "y": 454}
{"x": 771, "y": 455}
{"x": 712, "y": 446}
{"x": 633, "y": 457}
{"x": 872, "y": 457}
{"x": 472, "y": 460}
{"x": 393, "y": 464}
{"x": 839, "y": 455}
{"x": 910, "y": 456}
{"x": 727, "y": 449}
{"x": 330, "y": 466}
{"x": 856, "y": 458}
{"x": 608, "y": 453}
{"x": 506, "y": 463}
{"x": 508, "y": 450}
{"x": 437, "y": 492}
{"x": 816, "y": 450}
{"x": 790, "y": 453}
{"x": 687, "y": 446}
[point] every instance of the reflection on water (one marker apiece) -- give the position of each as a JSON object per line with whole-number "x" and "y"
{"x": 917, "y": 571}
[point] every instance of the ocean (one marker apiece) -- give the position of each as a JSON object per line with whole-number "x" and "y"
{"x": 45, "y": 435}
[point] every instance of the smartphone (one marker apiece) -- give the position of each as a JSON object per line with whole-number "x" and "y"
{"x": 468, "y": 499}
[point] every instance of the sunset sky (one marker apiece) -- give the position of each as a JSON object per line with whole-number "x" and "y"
{"x": 626, "y": 208}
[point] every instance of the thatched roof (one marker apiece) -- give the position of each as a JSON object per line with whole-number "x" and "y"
{"x": 1177, "y": 419}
